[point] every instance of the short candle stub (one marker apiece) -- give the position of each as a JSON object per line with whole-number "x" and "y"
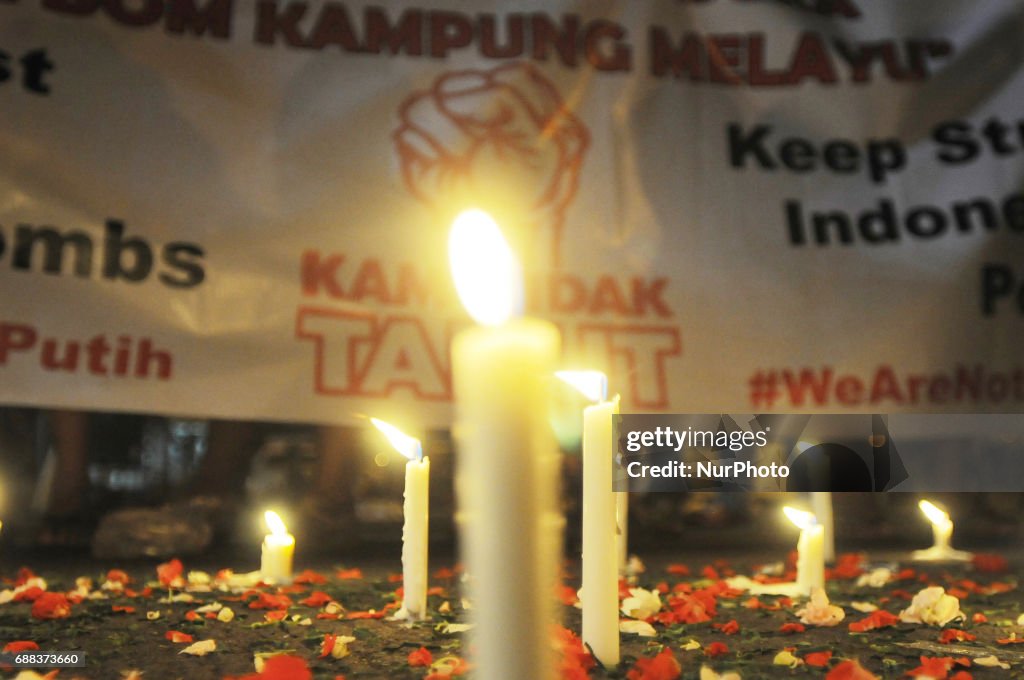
{"x": 942, "y": 534}
{"x": 277, "y": 550}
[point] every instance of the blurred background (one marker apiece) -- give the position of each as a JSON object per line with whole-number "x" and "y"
{"x": 136, "y": 485}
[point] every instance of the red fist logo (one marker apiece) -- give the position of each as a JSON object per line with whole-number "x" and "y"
{"x": 502, "y": 140}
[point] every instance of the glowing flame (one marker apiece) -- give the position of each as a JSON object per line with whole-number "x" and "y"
{"x": 801, "y": 518}
{"x": 274, "y": 523}
{"x": 407, "y": 446}
{"x": 486, "y": 273}
{"x": 592, "y": 384}
{"x": 934, "y": 514}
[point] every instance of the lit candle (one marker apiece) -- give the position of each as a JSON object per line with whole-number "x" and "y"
{"x": 821, "y": 505}
{"x": 415, "y": 512}
{"x": 278, "y": 548}
{"x": 942, "y": 533}
{"x": 600, "y": 593}
{"x": 507, "y": 457}
{"x": 810, "y": 561}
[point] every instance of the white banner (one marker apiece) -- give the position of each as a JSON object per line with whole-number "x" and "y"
{"x": 239, "y": 208}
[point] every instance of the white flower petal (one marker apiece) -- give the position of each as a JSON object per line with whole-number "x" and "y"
{"x": 641, "y": 628}
{"x": 818, "y": 611}
{"x": 864, "y": 607}
{"x": 641, "y": 603}
{"x": 201, "y": 648}
{"x": 933, "y": 607}
{"x": 991, "y": 662}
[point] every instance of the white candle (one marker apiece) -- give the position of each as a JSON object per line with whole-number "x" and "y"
{"x": 277, "y": 552}
{"x": 810, "y": 561}
{"x": 600, "y": 593}
{"x": 942, "y": 534}
{"x": 506, "y": 469}
{"x": 821, "y": 506}
{"x": 415, "y": 511}
{"x": 622, "y": 521}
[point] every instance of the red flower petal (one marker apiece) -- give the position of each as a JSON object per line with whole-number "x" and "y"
{"x": 349, "y": 574}
{"x": 20, "y": 646}
{"x": 792, "y": 628}
{"x": 327, "y": 646}
{"x": 169, "y": 573}
{"x": 29, "y": 594}
{"x": 282, "y": 667}
{"x": 276, "y": 615}
{"x": 421, "y": 657}
{"x": 661, "y": 667}
{"x": 24, "y": 574}
{"x": 716, "y": 649}
{"x": 1009, "y": 641}
{"x": 117, "y": 576}
{"x": 178, "y": 636}
{"x": 990, "y": 563}
{"x": 876, "y": 619}
{"x": 850, "y": 670}
{"x": 819, "y": 659}
{"x": 317, "y": 598}
{"x": 936, "y": 667}
{"x": 270, "y": 601}
{"x": 566, "y": 595}
{"x": 122, "y": 609}
{"x": 678, "y": 569}
{"x": 979, "y": 618}
{"x": 729, "y": 627}
{"x": 51, "y": 606}
{"x": 309, "y": 577}
{"x": 956, "y": 635}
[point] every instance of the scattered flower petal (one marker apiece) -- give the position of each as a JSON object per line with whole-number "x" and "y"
{"x": 932, "y": 606}
{"x": 661, "y": 667}
{"x": 787, "y": 658}
{"x": 641, "y": 628}
{"x": 818, "y": 611}
{"x": 850, "y": 670}
{"x": 201, "y": 648}
{"x": 991, "y": 662}
{"x": 641, "y": 603}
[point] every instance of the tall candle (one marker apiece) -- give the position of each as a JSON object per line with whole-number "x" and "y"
{"x": 810, "y": 561}
{"x": 507, "y": 458}
{"x": 600, "y": 592}
{"x": 277, "y": 550}
{"x": 821, "y": 506}
{"x": 416, "y": 517}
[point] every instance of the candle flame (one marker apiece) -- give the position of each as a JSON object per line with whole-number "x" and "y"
{"x": 801, "y": 518}
{"x": 487, "y": 275}
{"x": 934, "y": 514}
{"x": 592, "y": 384}
{"x": 274, "y": 523}
{"x": 409, "y": 447}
